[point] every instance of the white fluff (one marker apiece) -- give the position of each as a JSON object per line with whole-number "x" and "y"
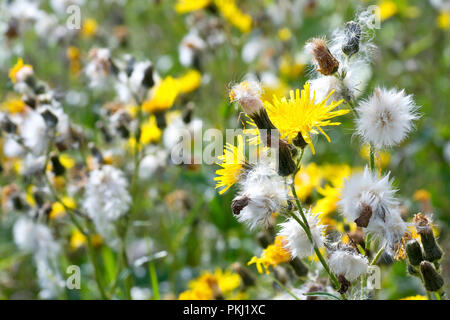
{"x": 386, "y": 118}
{"x": 36, "y": 238}
{"x": 349, "y": 264}
{"x": 365, "y": 189}
{"x": 298, "y": 243}
{"x": 248, "y": 93}
{"x": 34, "y": 132}
{"x": 266, "y": 193}
{"x": 106, "y": 198}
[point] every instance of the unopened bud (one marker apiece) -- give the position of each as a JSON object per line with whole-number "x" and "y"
{"x": 246, "y": 276}
{"x": 414, "y": 252}
{"x": 7, "y": 125}
{"x": 300, "y": 269}
{"x": 286, "y": 164}
{"x": 57, "y": 168}
{"x": 50, "y": 119}
{"x": 431, "y": 278}
{"x": 148, "y": 80}
{"x": 432, "y": 250}
{"x": 352, "y": 38}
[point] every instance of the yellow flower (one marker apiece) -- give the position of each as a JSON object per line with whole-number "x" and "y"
{"x": 78, "y": 240}
{"x": 418, "y": 297}
{"x": 422, "y": 195}
{"x": 17, "y": 68}
{"x": 67, "y": 161}
{"x": 13, "y": 105}
{"x": 150, "y": 131}
{"x": 443, "y": 20}
{"x": 189, "y": 82}
{"x": 210, "y": 286}
{"x": 59, "y": 209}
{"x": 300, "y": 114}
{"x": 233, "y": 163}
{"x": 183, "y": 6}
{"x": 273, "y": 255}
{"x": 284, "y": 34}
{"x": 234, "y": 15}
{"x": 290, "y": 67}
{"x": 74, "y": 57}
{"x": 163, "y": 97}
{"x": 387, "y": 9}
{"x": 328, "y": 204}
{"x": 89, "y": 28}
{"x": 307, "y": 180}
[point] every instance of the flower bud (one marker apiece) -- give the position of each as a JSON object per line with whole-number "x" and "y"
{"x": 286, "y": 164}
{"x": 57, "y": 168}
{"x": 7, "y": 125}
{"x": 352, "y": 38}
{"x": 246, "y": 276}
{"x": 300, "y": 269}
{"x": 50, "y": 119}
{"x": 432, "y": 250}
{"x": 414, "y": 252}
{"x": 431, "y": 279}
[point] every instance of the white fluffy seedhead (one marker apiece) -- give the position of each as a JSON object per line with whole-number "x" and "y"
{"x": 386, "y": 117}
{"x": 348, "y": 263}
{"x": 263, "y": 193}
{"x": 364, "y": 193}
{"x": 297, "y": 242}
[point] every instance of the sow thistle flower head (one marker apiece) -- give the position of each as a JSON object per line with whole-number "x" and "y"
{"x": 272, "y": 256}
{"x": 301, "y": 115}
{"x": 233, "y": 164}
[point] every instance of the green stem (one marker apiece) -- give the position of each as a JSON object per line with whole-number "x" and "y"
{"x": 377, "y": 256}
{"x": 372, "y": 157}
{"x": 98, "y": 275}
{"x": 304, "y": 224}
{"x": 154, "y": 280}
{"x": 284, "y": 288}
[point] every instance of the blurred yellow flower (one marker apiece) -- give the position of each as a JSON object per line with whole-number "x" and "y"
{"x": 89, "y": 28}
{"x": 443, "y": 20}
{"x": 67, "y": 161}
{"x": 284, "y": 34}
{"x": 291, "y": 68}
{"x": 302, "y": 115}
{"x": 272, "y": 256}
{"x": 13, "y": 105}
{"x": 163, "y": 96}
{"x": 209, "y": 286}
{"x": 388, "y": 9}
{"x": 234, "y": 15}
{"x": 422, "y": 195}
{"x": 233, "y": 161}
{"x": 307, "y": 179}
{"x": 150, "y": 133}
{"x": 184, "y": 6}
{"x": 189, "y": 82}
{"x": 418, "y": 297}
{"x": 59, "y": 209}
{"x": 17, "y": 68}
{"x": 78, "y": 240}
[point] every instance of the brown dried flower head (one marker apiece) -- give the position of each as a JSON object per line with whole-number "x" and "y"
{"x": 325, "y": 60}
